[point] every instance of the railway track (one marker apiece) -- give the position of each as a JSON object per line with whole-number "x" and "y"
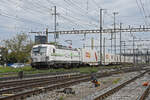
{"x": 24, "y": 88}
{"x": 145, "y": 94}
{"x": 14, "y": 83}
{"x": 25, "y": 94}
{"x": 7, "y": 84}
{"x": 35, "y": 75}
{"x": 117, "y": 88}
{"x": 25, "y": 76}
{"x": 21, "y": 85}
{"x": 40, "y": 83}
{"x": 36, "y": 87}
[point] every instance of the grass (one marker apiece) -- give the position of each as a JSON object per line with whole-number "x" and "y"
{"x": 86, "y": 69}
{"x": 13, "y": 71}
{"x": 10, "y": 69}
{"x": 30, "y": 70}
{"x": 117, "y": 66}
{"x": 61, "y": 98}
{"x": 116, "y": 80}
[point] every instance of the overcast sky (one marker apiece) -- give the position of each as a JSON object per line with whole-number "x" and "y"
{"x": 18, "y": 16}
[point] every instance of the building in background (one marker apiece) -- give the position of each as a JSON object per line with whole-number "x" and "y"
{"x": 40, "y": 39}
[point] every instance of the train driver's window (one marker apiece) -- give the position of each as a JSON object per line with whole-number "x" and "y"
{"x": 53, "y": 50}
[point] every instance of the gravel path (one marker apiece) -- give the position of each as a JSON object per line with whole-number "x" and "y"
{"x": 85, "y": 89}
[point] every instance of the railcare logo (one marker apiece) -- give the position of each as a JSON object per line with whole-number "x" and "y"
{"x": 88, "y": 55}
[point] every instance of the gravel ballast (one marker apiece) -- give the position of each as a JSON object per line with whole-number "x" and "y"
{"x": 86, "y": 90}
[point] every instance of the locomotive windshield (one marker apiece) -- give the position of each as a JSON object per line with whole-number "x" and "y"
{"x": 39, "y": 50}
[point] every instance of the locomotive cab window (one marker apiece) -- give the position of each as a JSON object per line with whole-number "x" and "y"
{"x": 39, "y": 50}
{"x": 53, "y": 50}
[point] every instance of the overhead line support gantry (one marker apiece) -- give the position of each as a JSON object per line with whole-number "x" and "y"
{"x": 97, "y": 31}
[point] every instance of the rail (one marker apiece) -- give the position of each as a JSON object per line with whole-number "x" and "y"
{"x": 114, "y": 90}
{"x": 145, "y": 94}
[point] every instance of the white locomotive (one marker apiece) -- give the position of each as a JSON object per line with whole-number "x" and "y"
{"x": 46, "y": 55}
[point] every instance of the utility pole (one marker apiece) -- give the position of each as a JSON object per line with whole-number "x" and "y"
{"x": 148, "y": 55}
{"x": 84, "y": 41}
{"x": 137, "y": 55}
{"x": 55, "y": 24}
{"x": 55, "y": 36}
{"x": 101, "y": 14}
{"x": 92, "y": 43}
{"x": 104, "y": 50}
{"x": 124, "y": 52}
{"x": 46, "y": 35}
{"x": 114, "y": 13}
{"x": 141, "y": 56}
{"x": 120, "y": 41}
{"x": 133, "y": 50}
{"x": 111, "y": 40}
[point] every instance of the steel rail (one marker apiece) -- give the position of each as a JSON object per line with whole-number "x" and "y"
{"x": 145, "y": 94}
{"x": 114, "y": 90}
{"x": 38, "y": 84}
{"x": 35, "y": 75}
{"x": 23, "y": 95}
{"x": 27, "y": 81}
{"x": 48, "y": 83}
{"x": 20, "y": 84}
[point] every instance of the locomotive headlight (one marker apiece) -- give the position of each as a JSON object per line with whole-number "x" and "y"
{"x": 34, "y": 59}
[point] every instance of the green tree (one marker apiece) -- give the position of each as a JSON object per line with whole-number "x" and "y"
{"x": 3, "y": 55}
{"x": 19, "y": 48}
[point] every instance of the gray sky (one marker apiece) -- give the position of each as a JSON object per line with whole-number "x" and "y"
{"x": 18, "y": 16}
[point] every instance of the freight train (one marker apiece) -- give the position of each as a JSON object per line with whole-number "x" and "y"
{"x": 51, "y": 56}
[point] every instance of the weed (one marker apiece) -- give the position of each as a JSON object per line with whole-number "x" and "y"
{"x": 116, "y": 80}
{"x": 61, "y": 98}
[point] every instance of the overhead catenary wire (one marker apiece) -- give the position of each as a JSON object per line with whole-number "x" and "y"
{"x": 141, "y": 11}
{"x": 62, "y": 8}
{"x": 31, "y": 8}
{"x": 53, "y": 3}
{"x": 79, "y": 9}
{"x": 38, "y": 7}
{"x": 17, "y": 18}
{"x": 72, "y": 17}
{"x": 72, "y": 22}
{"x": 144, "y": 11}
